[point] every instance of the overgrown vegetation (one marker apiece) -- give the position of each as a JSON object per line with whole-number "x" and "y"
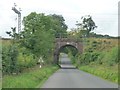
{"x": 32, "y": 78}
{"x": 34, "y": 44}
{"x": 101, "y": 51}
{"x": 100, "y": 57}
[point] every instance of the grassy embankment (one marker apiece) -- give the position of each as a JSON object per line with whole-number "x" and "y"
{"x": 100, "y": 58}
{"x": 104, "y": 72}
{"x": 32, "y": 78}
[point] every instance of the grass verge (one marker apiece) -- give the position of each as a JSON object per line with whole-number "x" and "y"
{"x": 30, "y": 79}
{"x": 104, "y": 72}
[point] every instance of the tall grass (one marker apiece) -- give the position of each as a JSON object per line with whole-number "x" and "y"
{"x": 30, "y": 79}
{"x": 102, "y": 71}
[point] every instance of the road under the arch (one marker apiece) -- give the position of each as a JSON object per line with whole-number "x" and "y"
{"x": 70, "y": 77}
{"x": 65, "y": 62}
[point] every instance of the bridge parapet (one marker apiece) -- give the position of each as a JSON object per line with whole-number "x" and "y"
{"x": 67, "y": 40}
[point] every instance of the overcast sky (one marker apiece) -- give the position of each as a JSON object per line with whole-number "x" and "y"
{"x": 103, "y": 12}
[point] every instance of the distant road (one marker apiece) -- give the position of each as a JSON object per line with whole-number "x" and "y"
{"x": 69, "y": 77}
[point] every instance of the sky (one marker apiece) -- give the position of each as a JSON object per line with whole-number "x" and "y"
{"x": 104, "y": 13}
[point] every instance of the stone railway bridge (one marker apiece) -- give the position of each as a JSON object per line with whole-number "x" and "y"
{"x": 62, "y": 42}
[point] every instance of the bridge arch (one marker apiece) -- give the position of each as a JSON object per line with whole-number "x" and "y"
{"x": 60, "y": 43}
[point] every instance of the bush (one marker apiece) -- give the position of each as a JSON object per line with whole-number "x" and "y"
{"x": 111, "y": 58}
{"x": 26, "y": 60}
{"x": 9, "y": 59}
{"x": 16, "y": 59}
{"x": 87, "y": 57}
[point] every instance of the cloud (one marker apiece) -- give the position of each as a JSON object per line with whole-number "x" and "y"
{"x": 104, "y": 12}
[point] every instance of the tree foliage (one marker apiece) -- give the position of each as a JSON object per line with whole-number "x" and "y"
{"x": 87, "y": 24}
{"x": 59, "y": 23}
{"x": 35, "y": 41}
{"x": 10, "y": 54}
{"x": 39, "y": 32}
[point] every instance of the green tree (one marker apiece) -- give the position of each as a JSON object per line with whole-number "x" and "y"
{"x": 38, "y": 34}
{"x": 9, "y": 54}
{"x": 13, "y": 34}
{"x": 87, "y": 24}
{"x": 59, "y": 26}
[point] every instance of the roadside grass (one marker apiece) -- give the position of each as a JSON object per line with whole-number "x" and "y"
{"x": 30, "y": 79}
{"x": 102, "y": 59}
{"x": 108, "y": 73}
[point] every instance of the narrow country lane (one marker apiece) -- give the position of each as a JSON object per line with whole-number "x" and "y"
{"x": 69, "y": 77}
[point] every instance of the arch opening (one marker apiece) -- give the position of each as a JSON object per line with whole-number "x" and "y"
{"x": 65, "y": 55}
{"x": 66, "y": 50}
